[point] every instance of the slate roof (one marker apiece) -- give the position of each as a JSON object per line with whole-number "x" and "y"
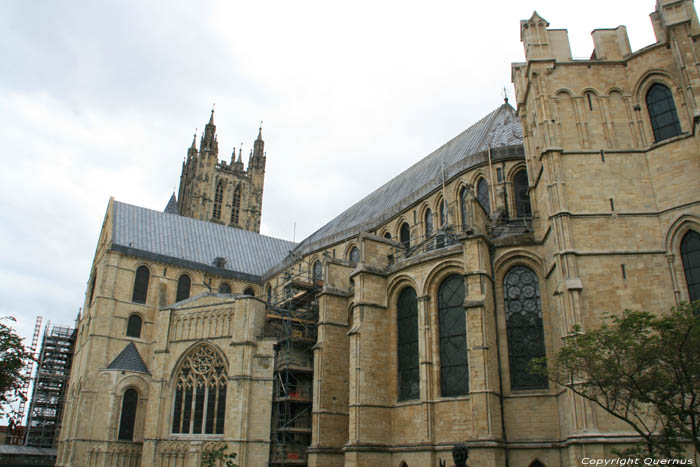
{"x": 500, "y": 128}
{"x": 171, "y": 207}
{"x": 192, "y": 243}
{"x": 129, "y": 360}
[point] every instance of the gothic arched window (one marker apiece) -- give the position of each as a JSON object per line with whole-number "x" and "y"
{"x": 482, "y": 195}
{"x": 662, "y": 112}
{"x": 183, "y": 288}
{"x": 405, "y": 235}
{"x": 387, "y": 235}
{"x": 407, "y": 351}
{"x": 454, "y": 371}
{"x": 218, "y": 199}
{"x": 463, "y": 206}
{"x": 524, "y": 326}
{"x": 268, "y": 293}
{"x": 428, "y": 222}
{"x": 354, "y": 255}
{"x": 224, "y": 288}
{"x": 443, "y": 213}
{"x": 200, "y": 393}
{"x": 130, "y": 401}
{"x": 236, "y": 205}
{"x": 249, "y": 291}
{"x": 141, "y": 285}
{"x": 133, "y": 326}
{"x": 317, "y": 271}
{"x": 690, "y": 253}
{"x": 522, "y": 195}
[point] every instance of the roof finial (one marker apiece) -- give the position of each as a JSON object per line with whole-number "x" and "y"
{"x": 505, "y": 95}
{"x": 260, "y": 131}
{"x": 211, "y": 118}
{"x": 194, "y": 140}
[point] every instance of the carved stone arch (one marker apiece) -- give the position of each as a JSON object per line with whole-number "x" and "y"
{"x": 672, "y": 243}
{"x": 647, "y": 80}
{"x": 399, "y": 222}
{"x": 436, "y": 275}
{"x": 522, "y": 256}
{"x": 397, "y": 284}
{"x": 457, "y": 188}
{"x": 592, "y": 90}
{"x": 566, "y": 91}
{"x": 514, "y": 169}
{"x": 134, "y": 381}
{"x": 615, "y": 89}
{"x": 642, "y": 88}
{"x": 348, "y": 248}
{"x": 536, "y": 463}
{"x": 403, "y": 464}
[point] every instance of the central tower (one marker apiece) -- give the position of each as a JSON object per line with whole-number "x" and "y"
{"x": 221, "y": 192}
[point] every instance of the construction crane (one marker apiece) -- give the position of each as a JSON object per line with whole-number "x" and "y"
{"x": 16, "y": 429}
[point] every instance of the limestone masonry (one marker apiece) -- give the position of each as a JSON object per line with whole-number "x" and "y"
{"x": 406, "y": 324}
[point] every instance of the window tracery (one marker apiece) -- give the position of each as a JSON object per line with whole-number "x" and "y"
{"x": 454, "y": 371}
{"x": 482, "y": 195}
{"x": 407, "y": 351}
{"x": 218, "y": 199}
{"x": 200, "y": 393}
{"x": 662, "y": 112}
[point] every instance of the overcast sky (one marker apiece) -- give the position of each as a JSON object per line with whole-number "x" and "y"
{"x": 101, "y": 99}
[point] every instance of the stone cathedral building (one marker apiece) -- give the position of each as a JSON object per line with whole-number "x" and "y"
{"x": 405, "y": 324}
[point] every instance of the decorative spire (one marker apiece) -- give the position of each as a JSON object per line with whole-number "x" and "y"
{"x": 209, "y": 142}
{"x": 259, "y": 144}
{"x": 260, "y": 132}
{"x": 211, "y": 118}
{"x": 194, "y": 140}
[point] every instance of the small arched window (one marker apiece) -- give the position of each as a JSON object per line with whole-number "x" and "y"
{"x": 482, "y": 195}
{"x": 524, "y": 327}
{"x": 443, "y": 213}
{"x": 690, "y": 254}
{"x": 463, "y": 206}
{"x": 522, "y": 195}
{"x": 354, "y": 255}
{"x": 218, "y": 199}
{"x": 141, "y": 285}
{"x": 317, "y": 271}
{"x": 224, "y": 288}
{"x": 428, "y": 222}
{"x": 662, "y": 112}
{"x": 407, "y": 351}
{"x": 200, "y": 393}
{"x": 183, "y": 288}
{"x": 249, "y": 291}
{"x": 405, "y": 235}
{"x": 236, "y": 205}
{"x": 387, "y": 235}
{"x": 130, "y": 401}
{"x": 133, "y": 326}
{"x": 454, "y": 371}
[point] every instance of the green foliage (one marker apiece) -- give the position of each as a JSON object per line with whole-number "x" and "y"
{"x": 211, "y": 458}
{"x": 13, "y": 358}
{"x": 641, "y": 368}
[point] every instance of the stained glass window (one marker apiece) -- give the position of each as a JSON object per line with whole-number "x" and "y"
{"x": 405, "y": 235}
{"x": 355, "y": 255}
{"x": 443, "y": 213}
{"x": 428, "y": 222}
{"x": 454, "y": 370}
{"x": 522, "y": 195}
{"x": 130, "y": 401}
{"x": 317, "y": 271}
{"x": 249, "y": 291}
{"x": 236, "y": 205}
{"x": 200, "y": 393}
{"x": 133, "y": 326}
{"x": 218, "y": 199}
{"x": 690, "y": 253}
{"x": 524, "y": 325}
{"x": 463, "y": 206}
{"x": 268, "y": 293}
{"x": 407, "y": 352}
{"x": 662, "y": 113}
{"x": 482, "y": 195}
{"x": 183, "y": 288}
{"x": 224, "y": 288}
{"x": 141, "y": 285}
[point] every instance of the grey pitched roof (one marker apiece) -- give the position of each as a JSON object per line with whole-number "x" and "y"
{"x": 130, "y": 360}
{"x": 192, "y": 243}
{"x": 500, "y": 128}
{"x": 171, "y": 207}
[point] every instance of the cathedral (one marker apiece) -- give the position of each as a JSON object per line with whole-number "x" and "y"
{"x": 406, "y": 324}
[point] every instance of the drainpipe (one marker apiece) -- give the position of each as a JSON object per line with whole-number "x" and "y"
{"x": 492, "y": 251}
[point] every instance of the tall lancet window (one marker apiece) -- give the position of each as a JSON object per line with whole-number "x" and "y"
{"x": 463, "y": 206}
{"x": 200, "y": 393}
{"x": 524, "y": 327}
{"x": 130, "y": 401}
{"x": 482, "y": 195}
{"x": 690, "y": 254}
{"x": 662, "y": 112}
{"x": 454, "y": 370}
{"x": 407, "y": 318}
{"x": 236, "y": 205}
{"x": 218, "y": 199}
{"x": 522, "y": 195}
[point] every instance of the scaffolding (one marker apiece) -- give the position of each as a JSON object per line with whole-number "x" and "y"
{"x": 292, "y": 315}
{"x": 50, "y": 384}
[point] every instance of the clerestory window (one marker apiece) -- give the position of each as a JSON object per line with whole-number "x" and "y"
{"x": 662, "y": 113}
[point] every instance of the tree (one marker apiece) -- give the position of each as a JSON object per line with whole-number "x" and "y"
{"x": 14, "y": 357}
{"x": 641, "y": 368}
{"x": 211, "y": 458}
